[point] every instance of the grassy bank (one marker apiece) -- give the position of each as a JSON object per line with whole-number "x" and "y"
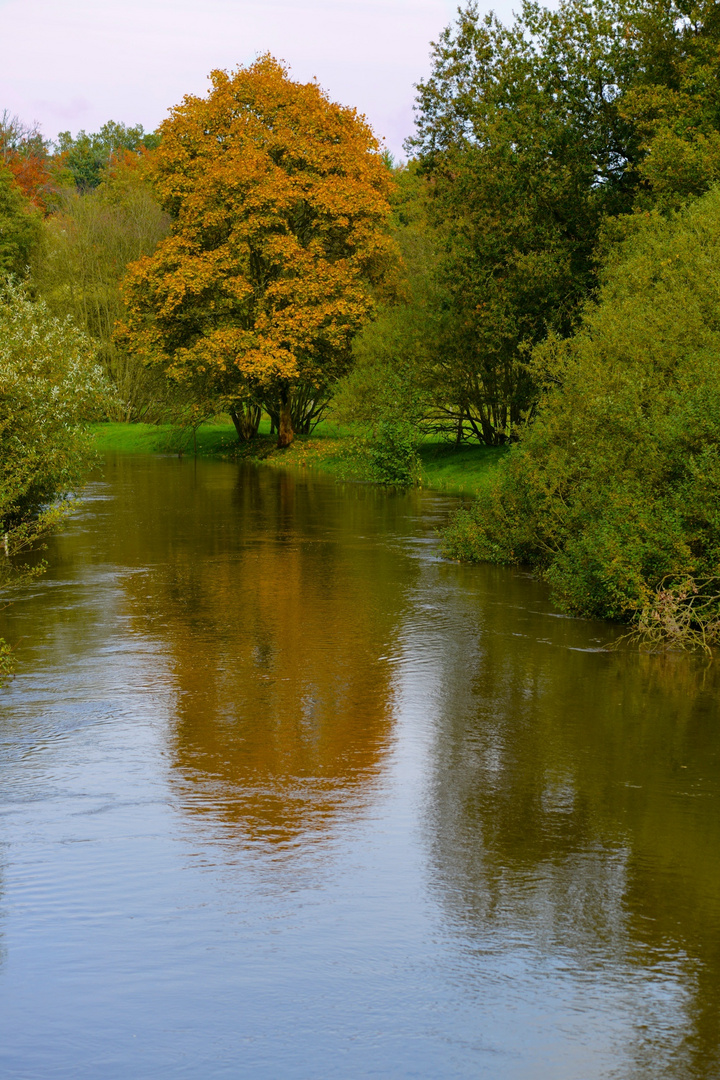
{"x": 329, "y": 449}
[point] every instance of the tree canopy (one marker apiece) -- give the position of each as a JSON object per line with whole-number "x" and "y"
{"x": 537, "y": 138}
{"x": 279, "y": 243}
{"x": 87, "y": 244}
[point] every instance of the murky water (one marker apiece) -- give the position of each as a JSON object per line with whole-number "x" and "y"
{"x": 285, "y": 795}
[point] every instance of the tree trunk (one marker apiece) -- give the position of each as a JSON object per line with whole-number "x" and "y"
{"x": 246, "y": 419}
{"x": 285, "y": 428}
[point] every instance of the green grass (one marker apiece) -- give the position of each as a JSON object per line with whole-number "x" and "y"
{"x": 460, "y": 472}
{"x": 212, "y": 439}
{"x": 463, "y": 471}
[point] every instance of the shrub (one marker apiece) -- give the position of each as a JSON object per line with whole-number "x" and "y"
{"x": 391, "y": 454}
{"x": 49, "y": 386}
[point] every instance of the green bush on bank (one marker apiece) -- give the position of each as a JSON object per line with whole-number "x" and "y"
{"x": 612, "y": 494}
{"x": 49, "y": 386}
{"x": 389, "y": 454}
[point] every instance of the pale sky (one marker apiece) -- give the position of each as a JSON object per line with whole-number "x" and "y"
{"x": 72, "y": 64}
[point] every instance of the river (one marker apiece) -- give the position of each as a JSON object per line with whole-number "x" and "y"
{"x": 286, "y": 795}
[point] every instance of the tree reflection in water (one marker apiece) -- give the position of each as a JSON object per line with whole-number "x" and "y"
{"x": 279, "y": 639}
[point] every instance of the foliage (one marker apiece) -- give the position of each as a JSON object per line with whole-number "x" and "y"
{"x": 279, "y": 241}
{"x": 675, "y": 108}
{"x": 534, "y": 136}
{"x": 6, "y": 662}
{"x": 613, "y": 492}
{"x": 20, "y": 226}
{"x": 388, "y": 454}
{"x": 26, "y": 154}
{"x": 49, "y": 385}
{"x": 87, "y": 245}
{"x": 392, "y": 378}
{"x": 518, "y": 129}
{"x": 87, "y": 157}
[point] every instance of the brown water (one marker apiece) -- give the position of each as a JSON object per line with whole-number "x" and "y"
{"x": 283, "y": 794}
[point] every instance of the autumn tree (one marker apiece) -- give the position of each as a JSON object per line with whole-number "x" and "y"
{"x": 26, "y": 155}
{"x": 279, "y": 245}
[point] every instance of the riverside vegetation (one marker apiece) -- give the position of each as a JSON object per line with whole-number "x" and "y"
{"x": 536, "y": 288}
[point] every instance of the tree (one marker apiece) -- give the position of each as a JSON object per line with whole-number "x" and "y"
{"x": 78, "y": 269}
{"x": 675, "y": 109}
{"x": 25, "y": 153}
{"x": 20, "y": 225}
{"x": 534, "y": 136}
{"x": 612, "y": 493}
{"x": 279, "y": 245}
{"x": 49, "y": 386}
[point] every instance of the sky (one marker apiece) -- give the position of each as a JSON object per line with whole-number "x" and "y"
{"x": 72, "y": 64}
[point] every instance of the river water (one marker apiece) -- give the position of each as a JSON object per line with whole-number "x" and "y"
{"x": 284, "y": 794}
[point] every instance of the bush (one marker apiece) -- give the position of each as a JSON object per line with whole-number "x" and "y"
{"x": 391, "y": 454}
{"x": 613, "y": 493}
{"x": 49, "y": 386}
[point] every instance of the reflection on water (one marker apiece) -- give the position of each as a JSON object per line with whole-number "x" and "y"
{"x": 232, "y": 675}
{"x": 279, "y": 641}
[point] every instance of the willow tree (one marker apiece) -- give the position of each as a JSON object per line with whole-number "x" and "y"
{"x": 278, "y": 250}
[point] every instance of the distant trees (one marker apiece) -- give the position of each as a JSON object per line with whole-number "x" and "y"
{"x": 278, "y": 251}
{"x": 20, "y": 226}
{"x": 26, "y": 155}
{"x": 86, "y": 157}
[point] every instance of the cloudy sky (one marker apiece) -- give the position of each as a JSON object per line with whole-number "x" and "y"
{"x": 72, "y": 64}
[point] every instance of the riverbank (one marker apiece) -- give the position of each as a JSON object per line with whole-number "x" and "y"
{"x": 329, "y": 449}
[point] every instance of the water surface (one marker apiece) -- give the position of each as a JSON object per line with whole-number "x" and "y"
{"x": 283, "y": 794}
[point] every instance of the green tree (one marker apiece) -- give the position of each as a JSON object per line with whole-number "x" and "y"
{"x": 279, "y": 245}
{"x": 534, "y": 137}
{"x": 49, "y": 386}
{"x": 391, "y": 380}
{"x": 87, "y": 246}
{"x": 675, "y": 107}
{"x": 612, "y": 493}
{"x": 20, "y": 225}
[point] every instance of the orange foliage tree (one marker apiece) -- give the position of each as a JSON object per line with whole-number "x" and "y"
{"x": 279, "y": 246}
{"x": 25, "y": 153}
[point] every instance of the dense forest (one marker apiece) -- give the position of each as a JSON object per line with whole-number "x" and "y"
{"x": 541, "y": 275}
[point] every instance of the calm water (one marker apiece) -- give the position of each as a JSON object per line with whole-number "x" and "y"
{"x": 285, "y": 795}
